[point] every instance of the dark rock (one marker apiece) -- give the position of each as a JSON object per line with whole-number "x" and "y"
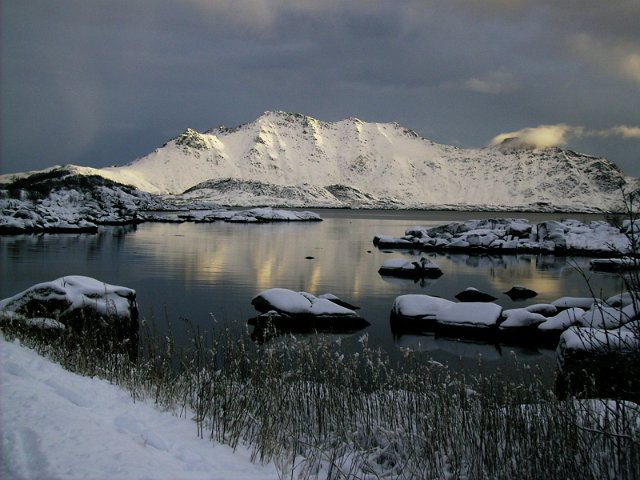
{"x": 474, "y": 295}
{"x": 520, "y": 293}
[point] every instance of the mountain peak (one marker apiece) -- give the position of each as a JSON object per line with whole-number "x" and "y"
{"x": 193, "y": 139}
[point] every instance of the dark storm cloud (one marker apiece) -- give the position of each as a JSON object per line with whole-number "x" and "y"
{"x": 103, "y": 82}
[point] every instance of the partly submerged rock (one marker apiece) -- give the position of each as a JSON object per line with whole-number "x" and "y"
{"x": 518, "y": 292}
{"x": 81, "y": 303}
{"x": 471, "y": 294}
{"x": 255, "y": 215}
{"x": 303, "y": 311}
{"x": 398, "y": 267}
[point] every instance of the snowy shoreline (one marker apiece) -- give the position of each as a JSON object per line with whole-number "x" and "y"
{"x": 57, "y": 424}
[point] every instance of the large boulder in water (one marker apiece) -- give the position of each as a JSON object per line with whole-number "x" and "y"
{"x": 471, "y": 294}
{"x": 77, "y": 302}
{"x": 518, "y": 292}
{"x": 417, "y": 312}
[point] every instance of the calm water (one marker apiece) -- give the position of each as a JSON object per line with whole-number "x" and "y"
{"x": 197, "y": 271}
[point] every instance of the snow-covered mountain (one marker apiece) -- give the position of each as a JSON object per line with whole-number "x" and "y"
{"x": 295, "y": 160}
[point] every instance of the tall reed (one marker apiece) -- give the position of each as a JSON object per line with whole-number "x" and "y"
{"x": 320, "y": 412}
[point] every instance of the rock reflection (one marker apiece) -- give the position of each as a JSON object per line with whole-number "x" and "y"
{"x": 466, "y": 349}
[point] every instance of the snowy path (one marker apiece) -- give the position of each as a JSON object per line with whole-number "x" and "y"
{"x": 58, "y": 425}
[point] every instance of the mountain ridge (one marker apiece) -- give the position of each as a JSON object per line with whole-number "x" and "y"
{"x": 301, "y": 159}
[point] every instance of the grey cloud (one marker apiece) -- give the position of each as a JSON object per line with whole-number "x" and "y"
{"x": 106, "y": 81}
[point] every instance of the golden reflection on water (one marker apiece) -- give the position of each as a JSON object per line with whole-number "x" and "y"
{"x": 274, "y": 255}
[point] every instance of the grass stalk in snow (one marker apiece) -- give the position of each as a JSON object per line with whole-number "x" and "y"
{"x": 319, "y": 412}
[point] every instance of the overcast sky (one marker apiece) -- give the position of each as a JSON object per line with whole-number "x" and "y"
{"x": 94, "y": 82}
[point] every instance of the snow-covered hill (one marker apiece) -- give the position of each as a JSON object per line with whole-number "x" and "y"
{"x": 295, "y": 160}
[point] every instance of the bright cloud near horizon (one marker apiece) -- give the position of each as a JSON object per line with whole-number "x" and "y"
{"x": 545, "y": 136}
{"x": 107, "y": 81}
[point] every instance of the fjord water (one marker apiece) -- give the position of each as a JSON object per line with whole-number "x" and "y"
{"x": 203, "y": 272}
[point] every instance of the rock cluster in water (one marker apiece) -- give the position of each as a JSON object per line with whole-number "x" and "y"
{"x": 535, "y": 324}
{"x": 506, "y": 235}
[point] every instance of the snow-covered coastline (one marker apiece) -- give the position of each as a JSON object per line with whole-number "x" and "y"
{"x": 84, "y": 209}
{"x": 56, "y": 424}
{"x": 508, "y": 235}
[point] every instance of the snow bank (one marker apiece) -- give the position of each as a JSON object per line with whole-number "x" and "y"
{"x": 56, "y": 424}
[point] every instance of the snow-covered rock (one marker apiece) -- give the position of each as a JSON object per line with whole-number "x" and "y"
{"x": 622, "y": 300}
{"x": 575, "y": 302}
{"x": 562, "y": 320}
{"x": 384, "y": 241}
{"x": 77, "y": 302}
{"x": 479, "y": 315}
{"x": 606, "y": 317}
{"x": 69, "y": 199}
{"x": 290, "y": 309}
{"x": 416, "y": 306}
{"x": 520, "y": 318}
{"x": 433, "y": 312}
{"x": 289, "y": 302}
{"x": 624, "y": 339}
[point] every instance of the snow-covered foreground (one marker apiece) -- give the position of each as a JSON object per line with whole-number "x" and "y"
{"x": 56, "y": 424}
